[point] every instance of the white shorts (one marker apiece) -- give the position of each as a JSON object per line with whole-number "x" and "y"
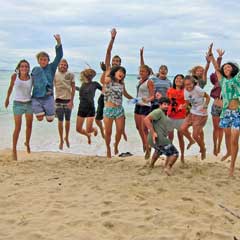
{"x": 176, "y": 123}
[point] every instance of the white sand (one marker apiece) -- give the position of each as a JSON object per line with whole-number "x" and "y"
{"x": 58, "y": 196}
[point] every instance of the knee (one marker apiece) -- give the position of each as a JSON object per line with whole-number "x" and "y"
{"x": 40, "y": 118}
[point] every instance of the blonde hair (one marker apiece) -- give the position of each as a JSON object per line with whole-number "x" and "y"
{"x": 194, "y": 69}
{"x": 87, "y": 75}
{"x": 42, "y": 54}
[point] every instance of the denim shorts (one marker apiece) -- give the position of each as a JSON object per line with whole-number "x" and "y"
{"x": 63, "y": 111}
{"x": 167, "y": 150}
{"x": 20, "y": 108}
{"x": 216, "y": 110}
{"x": 44, "y": 106}
{"x": 231, "y": 119}
{"x": 113, "y": 112}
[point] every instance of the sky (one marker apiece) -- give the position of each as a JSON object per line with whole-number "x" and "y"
{"x": 176, "y": 33}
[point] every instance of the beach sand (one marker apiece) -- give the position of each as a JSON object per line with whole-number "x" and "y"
{"x": 62, "y": 196}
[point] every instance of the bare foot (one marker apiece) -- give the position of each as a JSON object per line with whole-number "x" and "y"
{"x": 67, "y": 142}
{"x": 147, "y": 153}
{"x": 14, "y": 155}
{"x": 215, "y": 152}
{"x": 231, "y": 172}
{"x": 190, "y": 144}
{"x": 203, "y": 154}
{"x": 115, "y": 149}
{"x": 109, "y": 152}
{"x": 125, "y": 136}
{"x": 61, "y": 145}
{"x": 218, "y": 149}
{"x": 226, "y": 156}
{"x": 89, "y": 138}
{"x": 167, "y": 170}
{"x": 95, "y": 132}
{"x": 182, "y": 159}
{"x": 28, "y": 147}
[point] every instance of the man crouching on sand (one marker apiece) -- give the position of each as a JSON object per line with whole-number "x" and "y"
{"x": 159, "y": 125}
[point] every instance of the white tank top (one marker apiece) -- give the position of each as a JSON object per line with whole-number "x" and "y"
{"x": 22, "y": 89}
{"x": 143, "y": 91}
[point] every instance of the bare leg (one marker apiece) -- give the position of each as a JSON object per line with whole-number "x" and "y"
{"x": 181, "y": 144}
{"x": 197, "y": 136}
{"x": 119, "y": 131}
{"x": 17, "y": 129}
{"x": 79, "y": 128}
{"x": 29, "y": 120}
{"x": 169, "y": 163}
{"x": 67, "y": 129}
{"x": 89, "y": 127}
{"x": 171, "y": 135}
{"x": 124, "y": 133}
{"x": 227, "y": 132}
{"x": 100, "y": 125}
{"x": 60, "y": 132}
{"x": 108, "y": 122}
{"x": 155, "y": 157}
{"x": 40, "y": 118}
{"x": 234, "y": 143}
{"x": 186, "y": 133}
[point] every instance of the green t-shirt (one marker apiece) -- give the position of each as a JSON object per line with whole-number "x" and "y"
{"x": 161, "y": 125}
{"x": 230, "y": 91}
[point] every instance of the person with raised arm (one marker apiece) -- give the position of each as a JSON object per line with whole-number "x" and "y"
{"x": 114, "y": 90}
{"x": 145, "y": 92}
{"x": 21, "y": 83}
{"x": 43, "y": 103}
{"x": 216, "y": 107}
{"x": 229, "y": 78}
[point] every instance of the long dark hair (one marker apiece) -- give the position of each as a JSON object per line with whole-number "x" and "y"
{"x": 18, "y": 67}
{"x": 114, "y": 70}
{"x": 174, "y": 84}
{"x": 234, "y": 72}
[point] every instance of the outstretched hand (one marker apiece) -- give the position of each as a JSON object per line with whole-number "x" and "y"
{"x": 141, "y": 50}
{"x": 103, "y": 66}
{"x": 113, "y": 33}
{"x": 220, "y": 52}
{"x": 58, "y": 38}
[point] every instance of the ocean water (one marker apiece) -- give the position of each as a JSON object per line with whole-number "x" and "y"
{"x": 45, "y": 135}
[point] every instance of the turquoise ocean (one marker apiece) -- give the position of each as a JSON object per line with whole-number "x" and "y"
{"x": 45, "y": 135}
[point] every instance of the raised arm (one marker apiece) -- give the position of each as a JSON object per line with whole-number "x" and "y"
{"x": 220, "y": 54}
{"x": 208, "y": 63}
{"x": 215, "y": 64}
{"x": 59, "y": 52}
{"x": 141, "y": 56}
{"x": 9, "y": 92}
{"x": 109, "y": 49}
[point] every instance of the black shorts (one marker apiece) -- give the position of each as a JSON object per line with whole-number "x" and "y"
{"x": 99, "y": 115}
{"x": 86, "y": 112}
{"x": 142, "y": 110}
{"x": 154, "y": 106}
{"x": 167, "y": 150}
{"x": 62, "y": 110}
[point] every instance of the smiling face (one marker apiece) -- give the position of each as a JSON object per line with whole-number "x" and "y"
{"x": 119, "y": 75}
{"x": 63, "y": 66}
{"x": 199, "y": 72}
{"x": 188, "y": 84}
{"x": 24, "y": 68}
{"x": 144, "y": 73}
{"x": 43, "y": 61}
{"x": 116, "y": 61}
{"x": 164, "y": 106}
{"x": 163, "y": 71}
{"x": 179, "y": 81}
{"x": 227, "y": 69}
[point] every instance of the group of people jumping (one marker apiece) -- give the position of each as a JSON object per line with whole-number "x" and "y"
{"x": 160, "y": 105}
